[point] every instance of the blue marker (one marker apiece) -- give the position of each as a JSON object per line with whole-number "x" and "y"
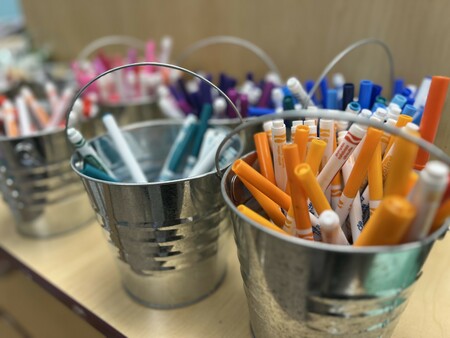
{"x": 205, "y": 91}
{"x": 376, "y": 91}
{"x": 399, "y": 100}
{"x": 258, "y": 111}
{"x": 418, "y": 116}
{"x": 179, "y": 148}
{"x": 365, "y": 93}
{"x": 398, "y": 86}
{"x": 323, "y": 91}
{"x": 332, "y": 101}
{"x": 348, "y": 93}
{"x": 406, "y": 92}
{"x": 409, "y": 110}
{"x": 377, "y": 105}
{"x": 308, "y": 86}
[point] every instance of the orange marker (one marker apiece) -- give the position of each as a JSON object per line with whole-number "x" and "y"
{"x": 389, "y": 223}
{"x": 312, "y": 188}
{"x": 375, "y": 179}
{"x": 10, "y": 121}
{"x": 315, "y": 153}
{"x": 245, "y": 171}
{"x": 299, "y": 200}
{"x": 39, "y": 112}
{"x": 301, "y": 140}
{"x": 442, "y": 213}
{"x": 272, "y": 209}
{"x": 258, "y": 218}
{"x": 402, "y": 121}
{"x": 432, "y": 115}
{"x": 413, "y": 177}
{"x": 358, "y": 173}
{"x": 403, "y": 157}
{"x": 264, "y": 156}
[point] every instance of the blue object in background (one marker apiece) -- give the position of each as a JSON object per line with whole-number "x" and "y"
{"x": 332, "y": 101}
{"x": 399, "y": 100}
{"x": 365, "y": 93}
{"x": 376, "y": 91}
{"x": 409, "y": 110}
{"x": 399, "y": 84}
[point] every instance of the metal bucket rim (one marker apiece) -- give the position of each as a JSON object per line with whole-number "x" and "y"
{"x": 212, "y": 172}
{"x": 333, "y": 248}
{"x": 36, "y": 134}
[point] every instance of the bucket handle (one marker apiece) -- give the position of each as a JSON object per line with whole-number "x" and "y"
{"x": 333, "y": 115}
{"x": 109, "y": 40}
{"x": 156, "y": 64}
{"x": 213, "y": 40}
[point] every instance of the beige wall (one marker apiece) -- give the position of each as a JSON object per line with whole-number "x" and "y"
{"x": 301, "y": 36}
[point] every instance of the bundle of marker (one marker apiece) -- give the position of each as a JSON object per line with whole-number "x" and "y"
{"x": 252, "y": 98}
{"x": 345, "y": 183}
{"x": 192, "y": 153}
{"x": 133, "y": 84}
{"x": 27, "y": 114}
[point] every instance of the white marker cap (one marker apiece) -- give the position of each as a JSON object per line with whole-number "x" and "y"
{"x": 277, "y": 124}
{"x": 74, "y": 135}
{"x": 267, "y": 126}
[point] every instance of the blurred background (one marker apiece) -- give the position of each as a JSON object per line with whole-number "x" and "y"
{"x": 41, "y": 39}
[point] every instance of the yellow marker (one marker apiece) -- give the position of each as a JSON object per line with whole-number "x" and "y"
{"x": 358, "y": 173}
{"x": 258, "y": 218}
{"x": 245, "y": 171}
{"x": 375, "y": 179}
{"x": 442, "y": 213}
{"x": 315, "y": 153}
{"x": 299, "y": 200}
{"x": 312, "y": 188}
{"x": 272, "y": 209}
{"x": 403, "y": 160}
{"x": 389, "y": 223}
{"x": 301, "y": 140}
{"x": 402, "y": 121}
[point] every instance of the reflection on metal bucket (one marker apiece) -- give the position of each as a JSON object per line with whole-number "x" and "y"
{"x": 169, "y": 237}
{"x": 37, "y": 183}
{"x": 296, "y": 288}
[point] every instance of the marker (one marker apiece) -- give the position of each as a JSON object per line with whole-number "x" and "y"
{"x": 9, "y": 120}
{"x": 87, "y": 152}
{"x": 338, "y": 81}
{"x": 301, "y": 140}
{"x": 244, "y": 105}
{"x": 60, "y": 110}
{"x": 277, "y": 97}
{"x": 398, "y": 86}
{"x": 258, "y": 218}
{"x": 272, "y": 209}
{"x": 37, "y": 110}
{"x": 441, "y": 215}
{"x": 365, "y": 92}
{"x": 315, "y": 154}
{"x": 422, "y": 93}
{"x": 299, "y": 200}
{"x": 385, "y": 139}
{"x": 332, "y": 99}
{"x": 327, "y": 134}
{"x": 402, "y": 121}
{"x": 375, "y": 179}
{"x": 245, "y": 171}
{"x": 323, "y": 90}
{"x": 308, "y": 181}
{"x": 165, "y": 49}
{"x": 23, "y": 114}
{"x": 388, "y": 224}
{"x": 399, "y": 100}
{"x": 431, "y": 115}
{"x": 347, "y": 95}
{"x": 52, "y": 95}
{"x": 393, "y": 111}
{"x": 330, "y": 228}
{"x": 264, "y": 156}
{"x": 312, "y": 135}
{"x": 178, "y": 149}
{"x": 376, "y": 91}
{"x": 205, "y": 115}
{"x": 219, "y": 106}
{"x": 403, "y": 156}
{"x": 206, "y": 163}
{"x": 123, "y": 149}
{"x": 358, "y": 173}
{"x": 297, "y": 91}
{"x": 352, "y": 107}
{"x": 279, "y": 139}
{"x": 93, "y": 172}
{"x": 340, "y": 155}
{"x": 409, "y": 110}
{"x": 426, "y": 198}
{"x": 336, "y": 185}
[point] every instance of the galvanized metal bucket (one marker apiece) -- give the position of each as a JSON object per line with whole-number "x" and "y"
{"x": 296, "y": 288}
{"x": 44, "y": 195}
{"x": 168, "y": 237}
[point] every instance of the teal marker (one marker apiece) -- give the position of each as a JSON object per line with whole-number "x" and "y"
{"x": 87, "y": 152}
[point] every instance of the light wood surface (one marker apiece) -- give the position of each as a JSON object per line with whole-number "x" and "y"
{"x": 80, "y": 264}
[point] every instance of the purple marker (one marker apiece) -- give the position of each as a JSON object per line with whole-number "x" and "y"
{"x": 264, "y": 100}
{"x": 205, "y": 91}
{"x": 233, "y": 94}
{"x": 244, "y": 105}
{"x": 181, "y": 100}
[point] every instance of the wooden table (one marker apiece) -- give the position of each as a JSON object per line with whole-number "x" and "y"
{"x": 78, "y": 268}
